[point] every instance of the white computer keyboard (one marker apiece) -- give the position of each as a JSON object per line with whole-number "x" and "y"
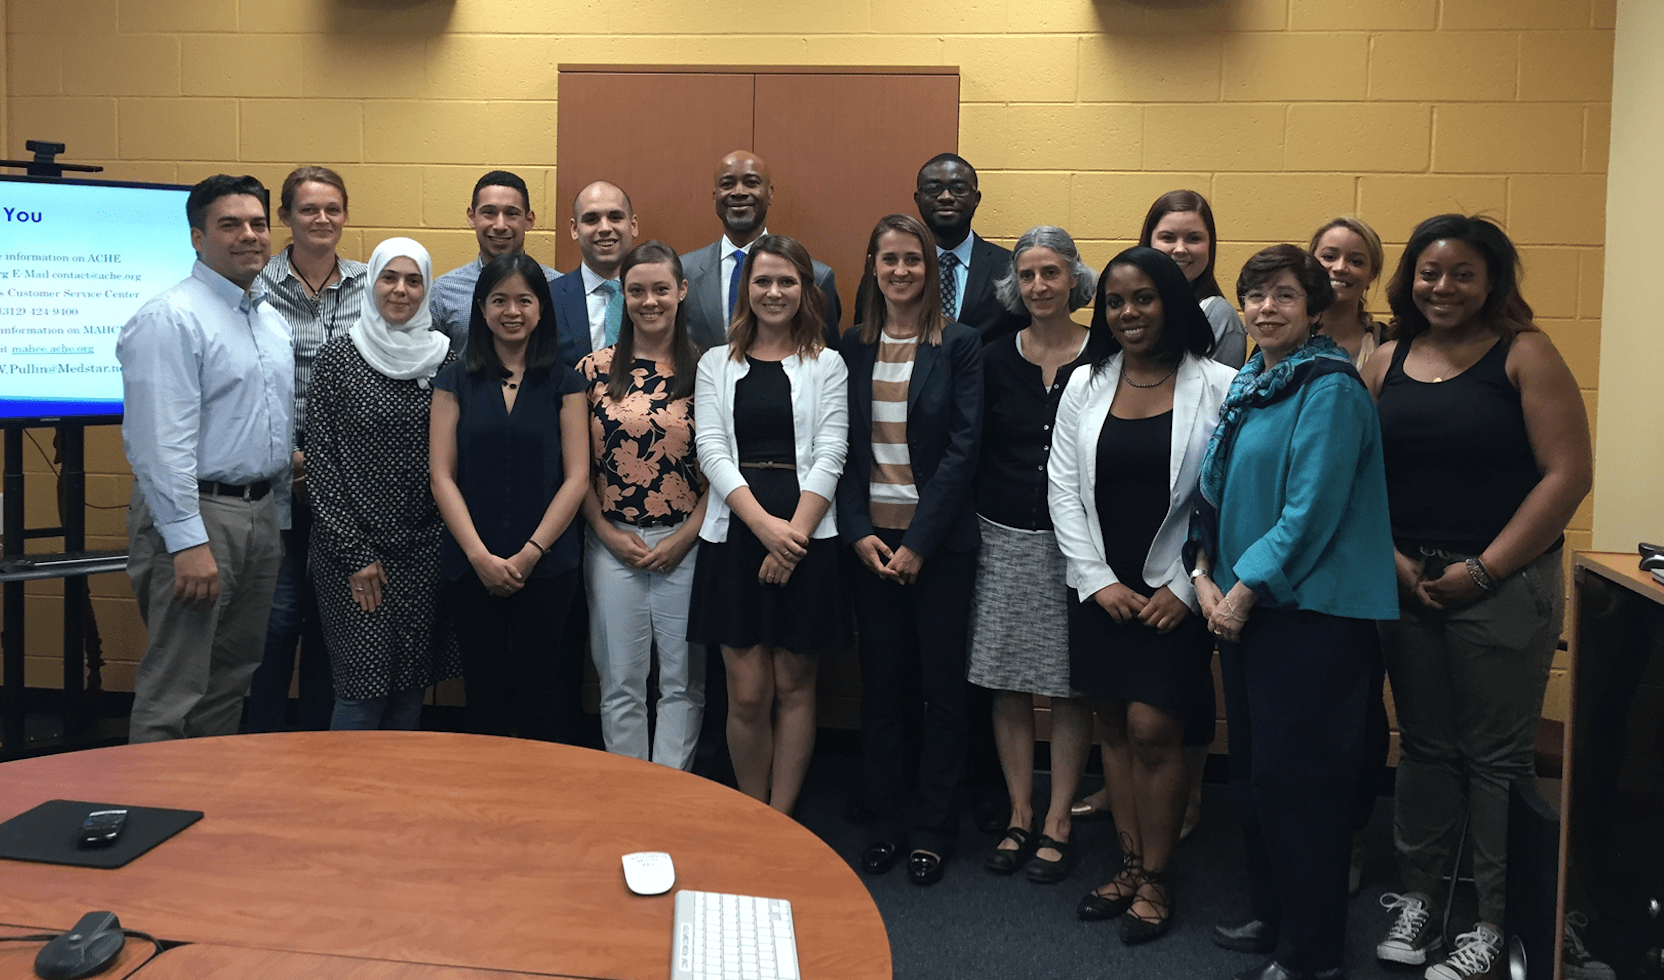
{"x": 732, "y": 937}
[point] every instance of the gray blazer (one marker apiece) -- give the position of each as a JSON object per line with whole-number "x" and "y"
{"x": 708, "y": 321}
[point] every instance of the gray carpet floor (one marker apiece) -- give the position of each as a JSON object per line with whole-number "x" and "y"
{"x": 975, "y": 925}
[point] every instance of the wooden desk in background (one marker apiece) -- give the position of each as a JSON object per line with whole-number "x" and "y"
{"x": 429, "y": 849}
{"x": 1612, "y": 799}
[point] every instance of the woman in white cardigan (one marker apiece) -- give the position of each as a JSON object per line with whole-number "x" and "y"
{"x": 1131, "y": 431}
{"x": 771, "y": 424}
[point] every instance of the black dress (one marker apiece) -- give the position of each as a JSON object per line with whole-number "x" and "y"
{"x": 1131, "y": 661}
{"x": 729, "y": 605}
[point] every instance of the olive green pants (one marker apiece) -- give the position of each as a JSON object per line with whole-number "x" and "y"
{"x": 1468, "y": 684}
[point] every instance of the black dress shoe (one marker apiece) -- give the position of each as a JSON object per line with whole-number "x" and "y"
{"x": 1253, "y": 936}
{"x": 1272, "y": 970}
{"x": 924, "y": 868}
{"x": 879, "y": 857}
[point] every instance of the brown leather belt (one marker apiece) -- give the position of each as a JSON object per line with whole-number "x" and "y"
{"x": 768, "y": 466}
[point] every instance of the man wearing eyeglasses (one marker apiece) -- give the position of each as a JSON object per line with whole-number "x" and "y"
{"x": 947, "y": 197}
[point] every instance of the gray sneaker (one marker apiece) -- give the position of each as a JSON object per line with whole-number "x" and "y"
{"x": 1413, "y": 936}
{"x": 1478, "y": 954}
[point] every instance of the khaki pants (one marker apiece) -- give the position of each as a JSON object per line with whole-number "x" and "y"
{"x": 199, "y": 659}
{"x": 1469, "y": 686}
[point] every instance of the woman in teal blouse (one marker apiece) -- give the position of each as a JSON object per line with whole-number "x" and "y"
{"x": 1293, "y": 564}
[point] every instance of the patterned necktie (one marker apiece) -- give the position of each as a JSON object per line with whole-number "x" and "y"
{"x": 734, "y": 281}
{"x": 615, "y": 310}
{"x": 950, "y": 285}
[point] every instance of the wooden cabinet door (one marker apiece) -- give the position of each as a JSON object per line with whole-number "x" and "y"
{"x": 659, "y": 136}
{"x": 845, "y": 150}
{"x": 843, "y": 146}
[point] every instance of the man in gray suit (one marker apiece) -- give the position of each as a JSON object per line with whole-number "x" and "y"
{"x": 743, "y": 193}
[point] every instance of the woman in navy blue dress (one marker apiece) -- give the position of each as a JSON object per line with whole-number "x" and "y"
{"x": 509, "y": 461}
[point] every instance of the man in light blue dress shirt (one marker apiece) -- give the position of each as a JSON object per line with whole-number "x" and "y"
{"x": 208, "y": 378}
{"x": 500, "y": 214}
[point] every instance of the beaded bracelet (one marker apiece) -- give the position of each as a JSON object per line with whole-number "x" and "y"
{"x": 1481, "y": 575}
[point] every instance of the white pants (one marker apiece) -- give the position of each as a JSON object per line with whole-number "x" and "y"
{"x": 630, "y": 609}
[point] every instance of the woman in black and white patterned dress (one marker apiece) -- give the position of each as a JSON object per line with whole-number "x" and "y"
{"x": 375, "y": 539}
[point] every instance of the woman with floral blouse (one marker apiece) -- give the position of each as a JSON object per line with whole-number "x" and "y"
{"x": 644, "y": 509}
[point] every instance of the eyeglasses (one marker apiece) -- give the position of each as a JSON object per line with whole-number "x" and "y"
{"x": 1280, "y": 297}
{"x": 958, "y": 188}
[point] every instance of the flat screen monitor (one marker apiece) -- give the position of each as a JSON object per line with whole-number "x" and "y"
{"x": 77, "y": 259}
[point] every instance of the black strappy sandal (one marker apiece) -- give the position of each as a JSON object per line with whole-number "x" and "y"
{"x": 1097, "y": 907}
{"x": 1135, "y": 929}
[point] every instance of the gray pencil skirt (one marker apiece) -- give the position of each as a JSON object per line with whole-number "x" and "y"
{"x": 1019, "y": 619}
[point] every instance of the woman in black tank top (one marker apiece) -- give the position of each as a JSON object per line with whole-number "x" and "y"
{"x": 1487, "y": 457}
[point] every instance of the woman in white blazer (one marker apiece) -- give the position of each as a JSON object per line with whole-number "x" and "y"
{"x": 771, "y": 424}
{"x": 1131, "y": 431}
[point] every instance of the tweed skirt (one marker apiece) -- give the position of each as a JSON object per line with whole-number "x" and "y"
{"x": 1019, "y": 617}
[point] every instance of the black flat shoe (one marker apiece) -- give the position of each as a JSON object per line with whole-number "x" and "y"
{"x": 1005, "y": 861}
{"x": 924, "y": 868}
{"x": 1253, "y": 936}
{"x": 1137, "y": 930}
{"x": 879, "y": 857}
{"x": 1272, "y": 970}
{"x": 1044, "y": 872}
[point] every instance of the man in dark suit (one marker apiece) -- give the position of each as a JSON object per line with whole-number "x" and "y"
{"x": 743, "y": 193}
{"x": 947, "y": 199}
{"x": 589, "y": 301}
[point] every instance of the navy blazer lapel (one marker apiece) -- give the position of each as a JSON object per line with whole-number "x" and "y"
{"x": 572, "y": 316}
{"x": 925, "y": 360}
{"x": 860, "y": 360}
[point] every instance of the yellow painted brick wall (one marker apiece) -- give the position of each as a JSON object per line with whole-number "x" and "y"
{"x": 1077, "y": 112}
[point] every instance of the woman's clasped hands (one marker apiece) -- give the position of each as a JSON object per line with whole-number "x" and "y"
{"x": 786, "y": 546}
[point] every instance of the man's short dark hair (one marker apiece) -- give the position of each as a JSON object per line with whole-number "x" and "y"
{"x": 223, "y": 185}
{"x": 947, "y": 158}
{"x": 501, "y": 178}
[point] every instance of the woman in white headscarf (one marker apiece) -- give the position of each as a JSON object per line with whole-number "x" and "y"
{"x": 375, "y": 537}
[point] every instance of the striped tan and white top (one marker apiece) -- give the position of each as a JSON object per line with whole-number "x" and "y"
{"x": 892, "y": 492}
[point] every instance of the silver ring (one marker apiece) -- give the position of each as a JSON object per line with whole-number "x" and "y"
{"x": 358, "y": 588}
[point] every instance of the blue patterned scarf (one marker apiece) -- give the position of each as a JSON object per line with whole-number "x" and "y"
{"x": 1255, "y": 386}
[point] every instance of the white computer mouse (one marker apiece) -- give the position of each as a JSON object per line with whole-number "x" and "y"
{"x": 649, "y": 872}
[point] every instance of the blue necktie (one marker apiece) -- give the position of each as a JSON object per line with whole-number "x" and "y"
{"x": 734, "y": 281}
{"x": 950, "y": 285}
{"x": 615, "y": 310}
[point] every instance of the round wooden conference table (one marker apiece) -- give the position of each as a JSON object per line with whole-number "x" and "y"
{"x": 424, "y": 854}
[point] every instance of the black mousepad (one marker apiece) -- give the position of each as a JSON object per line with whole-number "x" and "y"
{"x": 50, "y": 833}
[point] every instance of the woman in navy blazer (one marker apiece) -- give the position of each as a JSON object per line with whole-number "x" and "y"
{"x": 905, "y": 508}
{"x": 1131, "y": 432}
